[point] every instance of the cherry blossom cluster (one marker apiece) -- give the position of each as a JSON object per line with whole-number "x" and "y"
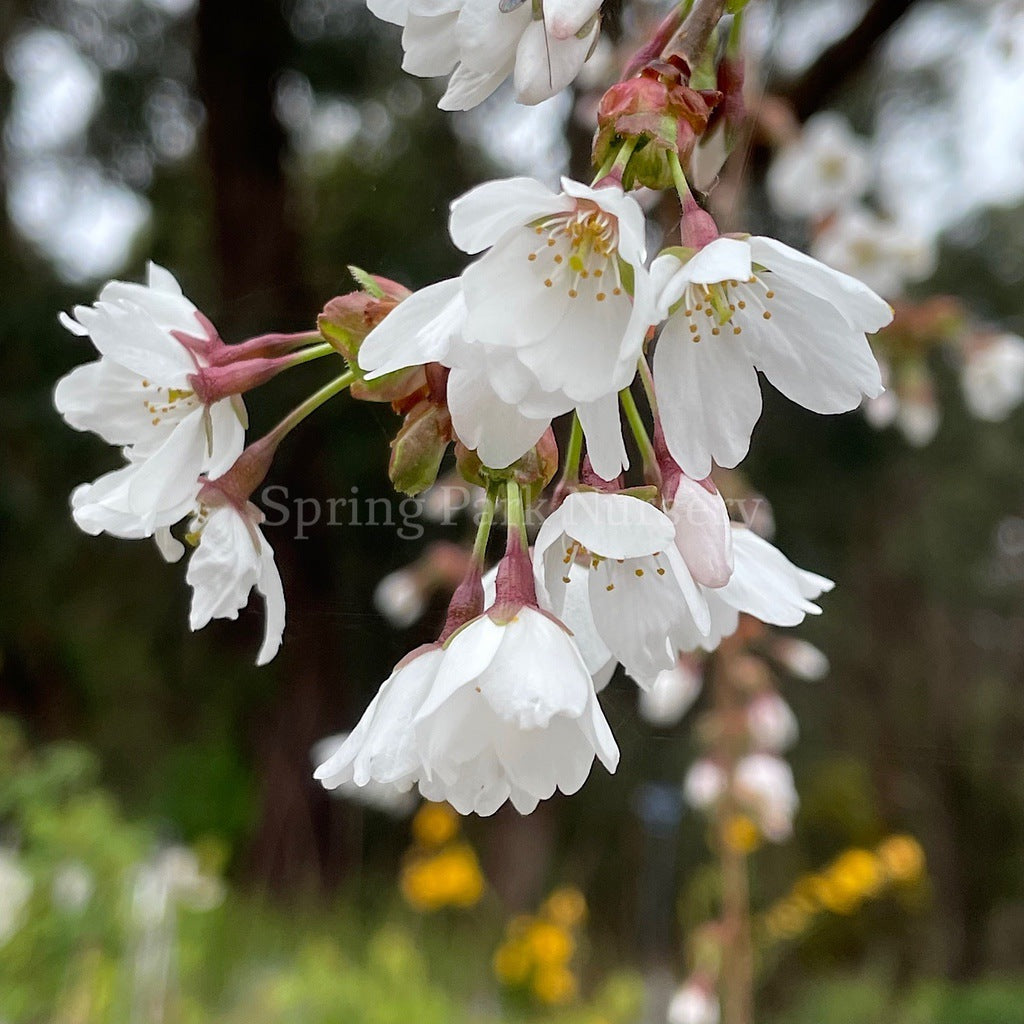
{"x": 560, "y": 313}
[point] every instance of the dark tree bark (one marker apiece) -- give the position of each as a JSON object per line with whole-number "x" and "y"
{"x": 242, "y": 47}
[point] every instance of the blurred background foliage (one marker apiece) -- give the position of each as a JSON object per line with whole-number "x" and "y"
{"x": 256, "y": 149}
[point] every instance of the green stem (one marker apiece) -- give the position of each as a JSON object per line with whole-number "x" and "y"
{"x": 636, "y": 424}
{"x": 311, "y": 404}
{"x": 307, "y": 355}
{"x": 571, "y": 470}
{"x": 625, "y": 152}
{"x": 483, "y": 530}
{"x": 647, "y": 379}
{"x": 605, "y": 168}
{"x": 516, "y": 512}
{"x": 615, "y": 165}
{"x": 678, "y": 177}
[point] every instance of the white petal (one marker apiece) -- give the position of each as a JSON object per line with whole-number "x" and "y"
{"x": 494, "y": 429}
{"x": 129, "y": 336}
{"x": 269, "y": 585}
{"x": 564, "y": 18}
{"x": 166, "y": 485}
{"x": 766, "y": 585}
{"x": 223, "y": 569}
{"x": 603, "y": 430}
{"x": 471, "y": 650}
{"x": 430, "y": 45}
{"x": 171, "y": 549}
{"x": 418, "y": 330}
{"x": 808, "y": 351}
{"x": 228, "y": 438}
{"x": 104, "y": 397}
{"x": 612, "y": 525}
{"x": 536, "y": 674}
{"x": 488, "y": 37}
{"x": 545, "y": 66}
{"x": 468, "y": 87}
{"x": 626, "y": 210}
{"x": 484, "y": 214}
{"x": 858, "y": 304}
{"x": 709, "y": 397}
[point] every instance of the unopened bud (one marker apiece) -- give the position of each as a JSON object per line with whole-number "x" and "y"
{"x": 346, "y": 321}
{"x": 662, "y": 112}
{"x": 419, "y": 447}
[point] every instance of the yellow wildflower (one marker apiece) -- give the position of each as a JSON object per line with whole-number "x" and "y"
{"x": 435, "y": 824}
{"x": 554, "y": 986}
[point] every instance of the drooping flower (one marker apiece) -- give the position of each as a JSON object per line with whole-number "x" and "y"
{"x": 512, "y": 715}
{"x": 565, "y": 262}
{"x": 637, "y": 586}
{"x": 141, "y": 394}
{"x": 825, "y": 169}
{"x": 993, "y": 377}
{"x": 885, "y": 254}
{"x": 480, "y": 43}
{"x": 504, "y": 709}
{"x": 382, "y": 750}
{"x": 740, "y": 305}
{"x": 232, "y": 557}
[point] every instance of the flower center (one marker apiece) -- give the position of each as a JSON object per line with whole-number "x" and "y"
{"x": 163, "y": 403}
{"x": 580, "y": 252}
{"x": 641, "y": 567}
{"x": 713, "y": 308}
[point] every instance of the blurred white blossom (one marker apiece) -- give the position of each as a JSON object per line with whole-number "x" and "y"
{"x": 885, "y": 254}
{"x": 16, "y": 887}
{"x": 993, "y": 377}
{"x": 825, "y": 169}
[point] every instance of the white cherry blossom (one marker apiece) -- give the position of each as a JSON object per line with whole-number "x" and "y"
{"x": 740, "y": 305}
{"x": 231, "y": 558}
{"x": 885, "y": 254}
{"x": 634, "y": 582}
{"x": 480, "y": 43}
{"x": 825, "y": 169}
{"x": 993, "y": 377}
{"x": 512, "y": 715}
{"x": 381, "y": 751}
{"x": 505, "y": 710}
{"x": 764, "y": 584}
{"x": 138, "y": 395}
{"x": 564, "y": 262}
